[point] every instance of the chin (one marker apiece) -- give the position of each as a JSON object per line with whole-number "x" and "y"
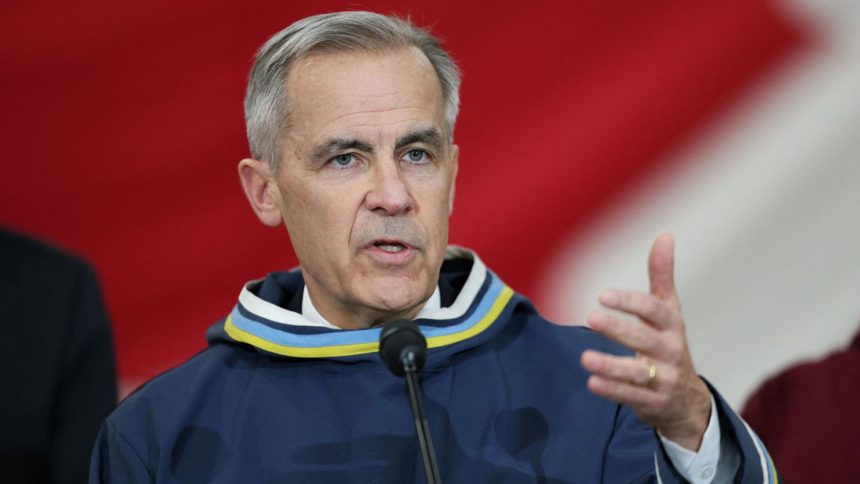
{"x": 399, "y": 296}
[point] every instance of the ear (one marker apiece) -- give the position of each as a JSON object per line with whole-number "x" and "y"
{"x": 455, "y": 155}
{"x": 261, "y": 190}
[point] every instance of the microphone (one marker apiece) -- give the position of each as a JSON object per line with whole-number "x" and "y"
{"x": 401, "y": 344}
{"x": 403, "y": 349}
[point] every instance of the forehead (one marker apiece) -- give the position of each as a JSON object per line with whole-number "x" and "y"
{"x": 362, "y": 91}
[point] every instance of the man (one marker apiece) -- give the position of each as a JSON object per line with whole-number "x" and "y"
{"x": 58, "y": 379}
{"x": 350, "y": 119}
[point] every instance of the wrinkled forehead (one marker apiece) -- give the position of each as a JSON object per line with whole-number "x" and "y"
{"x": 387, "y": 92}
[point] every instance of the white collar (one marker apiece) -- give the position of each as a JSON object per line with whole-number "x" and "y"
{"x": 310, "y": 313}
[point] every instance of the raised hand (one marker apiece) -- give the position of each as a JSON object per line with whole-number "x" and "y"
{"x": 659, "y": 382}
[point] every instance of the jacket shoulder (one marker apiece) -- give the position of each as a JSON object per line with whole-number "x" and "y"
{"x": 178, "y": 393}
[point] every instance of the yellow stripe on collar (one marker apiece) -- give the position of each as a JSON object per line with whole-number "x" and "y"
{"x": 485, "y": 322}
{"x": 364, "y": 348}
{"x": 298, "y": 351}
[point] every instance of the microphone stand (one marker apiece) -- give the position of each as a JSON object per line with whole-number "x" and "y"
{"x": 421, "y": 426}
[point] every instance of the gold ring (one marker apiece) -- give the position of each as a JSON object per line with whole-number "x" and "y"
{"x": 652, "y": 372}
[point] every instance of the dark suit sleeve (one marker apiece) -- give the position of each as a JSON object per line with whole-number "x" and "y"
{"x": 634, "y": 443}
{"x": 86, "y": 391}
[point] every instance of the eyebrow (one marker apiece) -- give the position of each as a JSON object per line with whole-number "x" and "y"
{"x": 428, "y": 136}
{"x": 332, "y": 146}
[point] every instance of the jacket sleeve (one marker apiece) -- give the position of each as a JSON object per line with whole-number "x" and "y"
{"x": 630, "y": 455}
{"x": 115, "y": 461}
{"x": 755, "y": 465}
{"x": 633, "y": 440}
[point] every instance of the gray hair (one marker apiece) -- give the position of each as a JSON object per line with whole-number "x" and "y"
{"x": 266, "y": 106}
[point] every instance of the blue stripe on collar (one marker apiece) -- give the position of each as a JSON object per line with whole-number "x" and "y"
{"x": 279, "y": 339}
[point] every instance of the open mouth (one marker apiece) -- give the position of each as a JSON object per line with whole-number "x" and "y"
{"x": 392, "y": 247}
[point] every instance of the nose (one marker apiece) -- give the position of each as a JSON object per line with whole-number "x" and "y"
{"x": 389, "y": 194}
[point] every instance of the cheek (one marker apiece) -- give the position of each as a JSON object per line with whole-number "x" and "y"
{"x": 437, "y": 211}
{"x": 445, "y": 194}
{"x": 323, "y": 218}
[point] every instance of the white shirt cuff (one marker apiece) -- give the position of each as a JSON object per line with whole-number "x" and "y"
{"x": 698, "y": 467}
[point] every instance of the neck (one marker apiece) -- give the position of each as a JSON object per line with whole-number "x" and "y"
{"x": 361, "y": 317}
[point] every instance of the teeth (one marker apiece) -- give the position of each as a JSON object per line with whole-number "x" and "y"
{"x": 391, "y": 248}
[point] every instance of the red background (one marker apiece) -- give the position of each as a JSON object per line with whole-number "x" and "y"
{"x": 122, "y": 127}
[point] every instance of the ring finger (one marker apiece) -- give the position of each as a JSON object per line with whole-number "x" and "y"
{"x": 639, "y": 371}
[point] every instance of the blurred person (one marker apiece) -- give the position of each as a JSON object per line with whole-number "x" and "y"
{"x": 58, "y": 380}
{"x": 807, "y": 416}
{"x": 350, "y": 118}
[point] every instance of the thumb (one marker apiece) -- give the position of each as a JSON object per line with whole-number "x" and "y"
{"x": 661, "y": 267}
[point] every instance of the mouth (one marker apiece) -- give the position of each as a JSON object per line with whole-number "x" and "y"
{"x": 392, "y": 247}
{"x": 390, "y": 251}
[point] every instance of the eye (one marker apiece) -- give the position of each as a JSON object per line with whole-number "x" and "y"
{"x": 345, "y": 160}
{"x": 416, "y": 156}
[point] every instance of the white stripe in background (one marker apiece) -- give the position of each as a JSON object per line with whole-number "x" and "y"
{"x": 766, "y": 211}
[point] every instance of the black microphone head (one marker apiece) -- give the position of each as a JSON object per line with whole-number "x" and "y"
{"x": 398, "y": 339}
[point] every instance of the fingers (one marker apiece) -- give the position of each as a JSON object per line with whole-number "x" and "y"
{"x": 662, "y": 388}
{"x": 676, "y": 402}
{"x": 632, "y": 334}
{"x": 621, "y": 368}
{"x": 661, "y": 268}
{"x": 637, "y": 396}
{"x": 649, "y": 308}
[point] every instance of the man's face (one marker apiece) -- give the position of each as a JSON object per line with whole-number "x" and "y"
{"x": 366, "y": 182}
